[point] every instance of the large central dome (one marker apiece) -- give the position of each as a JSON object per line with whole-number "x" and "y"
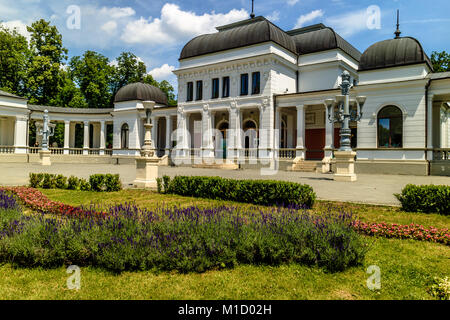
{"x": 236, "y": 35}
{"x": 141, "y": 91}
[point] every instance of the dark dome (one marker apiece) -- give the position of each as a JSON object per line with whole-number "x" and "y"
{"x": 236, "y": 35}
{"x": 318, "y": 38}
{"x": 393, "y": 53}
{"x": 141, "y": 91}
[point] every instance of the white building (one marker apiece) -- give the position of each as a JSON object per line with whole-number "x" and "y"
{"x": 252, "y": 93}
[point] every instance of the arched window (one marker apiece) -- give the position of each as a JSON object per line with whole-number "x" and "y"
{"x": 390, "y": 127}
{"x": 124, "y": 136}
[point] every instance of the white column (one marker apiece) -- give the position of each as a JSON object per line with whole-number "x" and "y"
{"x": 300, "y": 152}
{"x": 429, "y": 141}
{"x": 86, "y": 138}
{"x": 329, "y": 144}
{"x": 20, "y": 134}
{"x": 154, "y": 131}
{"x": 277, "y": 134}
{"x": 66, "y": 136}
{"x": 448, "y": 128}
{"x": 182, "y": 135}
{"x": 102, "y": 137}
{"x": 168, "y": 134}
{"x": 207, "y": 132}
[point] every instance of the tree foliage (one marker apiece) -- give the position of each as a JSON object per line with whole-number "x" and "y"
{"x": 440, "y": 61}
{"x": 37, "y": 70}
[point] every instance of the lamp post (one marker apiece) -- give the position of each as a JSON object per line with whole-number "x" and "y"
{"x": 345, "y": 156}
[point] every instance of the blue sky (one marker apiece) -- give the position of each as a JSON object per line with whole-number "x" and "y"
{"x": 156, "y": 30}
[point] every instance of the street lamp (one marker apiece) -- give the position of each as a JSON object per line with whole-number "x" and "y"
{"x": 345, "y": 155}
{"x": 46, "y": 130}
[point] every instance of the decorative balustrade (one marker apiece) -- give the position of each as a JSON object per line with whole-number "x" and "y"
{"x": 251, "y": 153}
{"x": 7, "y": 149}
{"x": 286, "y": 153}
{"x": 441, "y": 154}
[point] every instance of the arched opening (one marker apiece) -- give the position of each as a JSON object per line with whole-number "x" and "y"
{"x": 124, "y": 132}
{"x": 250, "y": 134}
{"x": 283, "y": 134}
{"x": 390, "y": 127}
{"x": 222, "y": 141}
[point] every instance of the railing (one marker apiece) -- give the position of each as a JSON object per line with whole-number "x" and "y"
{"x": 251, "y": 153}
{"x": 441, "y": 154}
{"x": 76, "y": 151}
{"x": 196, "y": 152}
{"x": 287, "y": 153}
{"x": 7, "y": 149}
{"x": 108, "y": 152}
{"x": 57, "y": 150}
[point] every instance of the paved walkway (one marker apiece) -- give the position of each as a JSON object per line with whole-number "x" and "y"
{"x": 374, "y": 189}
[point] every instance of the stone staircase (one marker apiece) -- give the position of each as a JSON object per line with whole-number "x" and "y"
{"x": 306, "y": 166}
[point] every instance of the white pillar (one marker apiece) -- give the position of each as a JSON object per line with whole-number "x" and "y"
{"x": 102, "y": 137}
{"x": 429, "y": 141}
{"x": 329, "y": 128}
{"x": 20, "y": 134}
{"x": 154, "y": 132}
{"x": 207, "y": 133}
{"x": 300, "y": 152}
{"x": 168, "y": 134}
{"x": 66, "y": 136}
{"x": 277, "y": 134}
{"x": 86, "y": 138}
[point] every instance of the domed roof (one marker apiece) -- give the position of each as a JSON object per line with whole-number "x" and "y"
{"x": 236, "y": 35}
{"x": 141, "y": 91}
{"x": 396, "y": 52}
{"x": 318, "y": 38}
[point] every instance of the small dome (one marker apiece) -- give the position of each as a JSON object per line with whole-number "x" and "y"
{"x": 141, "y": 91}
{"x": 236, "y": 35}
{"x": 393, "y": 53}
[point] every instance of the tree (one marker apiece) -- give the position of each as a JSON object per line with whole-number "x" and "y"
{"x": 14, "y": 54}
{"x": 440, "y": 61}
{"x": 167, "y": 88}
{"x": 129, "y": 69}
{"x": 94, "y": 76}
{"x": 69, "y": 95}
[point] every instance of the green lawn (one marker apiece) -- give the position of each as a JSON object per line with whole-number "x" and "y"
{"x": 407, "y": 266}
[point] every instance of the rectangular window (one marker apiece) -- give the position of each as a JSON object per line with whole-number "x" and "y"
{"x": 199, "y": 90}
{"x": 256, "y": 82}
{"x": 225, "y": 87}
{"x": 215, "y": 88}
{"x": 244, "y": 84}
{"x": 190, "y": 91}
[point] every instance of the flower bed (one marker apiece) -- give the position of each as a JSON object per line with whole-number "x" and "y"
{"x": 412, "y": 231}
{"x": 37, "y": 201}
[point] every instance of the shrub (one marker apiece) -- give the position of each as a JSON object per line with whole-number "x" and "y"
{"x": 97, "y": 182}
{"x": 441, "y": 288}
{"x": 73, "y": 183}
{"x": 425, "y": 198}
{"x": 159, "y": 185}
{"x": 112, "y": 182}
{"x": 48, "y": 181}
{"x": 263, "y": 192}
{"x": 84, "y": 185}
{"x": 36, "y": 180}
{"x": 166, "y": 181}
{"x": 60, "y": 182}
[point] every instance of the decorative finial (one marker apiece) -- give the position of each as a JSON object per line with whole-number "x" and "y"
{"x": 252, "y": 15}
{"x": 397, "y": 32}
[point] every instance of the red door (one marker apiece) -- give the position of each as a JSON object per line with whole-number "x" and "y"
{"x": 314, "y": 142}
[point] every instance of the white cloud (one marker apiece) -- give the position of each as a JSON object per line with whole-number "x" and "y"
{"x": 349, "y": 23}
{"x": 305, "y": 18}
{"x": 20, "y": 27}
{"x": 177, "y": 25}
{"x": 117, "y": 13}
{"x": 109, "y": 27}
{"x": 292, "y": 2}
{"x": 274, "y": 16}
{"x": 162, "y": 73}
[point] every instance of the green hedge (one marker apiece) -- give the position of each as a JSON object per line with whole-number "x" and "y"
{"x": 97, "y": 182}
{"x": 262, "y": 192}
{"x": 425, "y": 198}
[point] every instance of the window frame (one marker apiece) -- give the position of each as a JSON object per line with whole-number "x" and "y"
{"x": 215, "y": 90}
{"x": 242, "y": 91}
{"x": 190, "y": 91}
{"x": 391, "y": 129}
{"x": 199, "y": 90}
{"x": 125, "y": 128}
{"x": 226, "y": 80}
{"x": 256, "y": 87}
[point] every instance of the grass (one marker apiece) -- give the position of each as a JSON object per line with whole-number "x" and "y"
{"x": 407, "y": 266}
